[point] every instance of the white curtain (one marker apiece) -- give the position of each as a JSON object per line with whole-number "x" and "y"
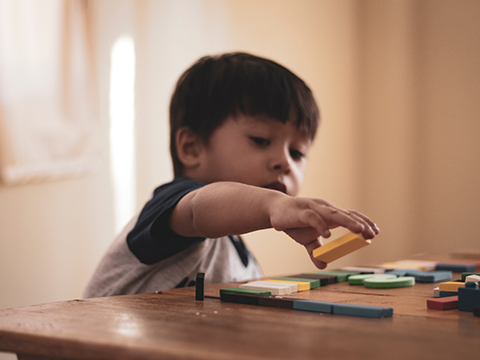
{"x": 48, "y": 110}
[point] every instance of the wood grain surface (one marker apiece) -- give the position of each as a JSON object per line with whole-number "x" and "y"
{"x": 173, "y": 325}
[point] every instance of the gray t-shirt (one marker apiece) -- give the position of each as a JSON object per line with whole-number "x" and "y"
{"x": 147, "y": 256}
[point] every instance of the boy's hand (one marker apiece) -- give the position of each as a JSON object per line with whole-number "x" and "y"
{"x": 306, "y": 220}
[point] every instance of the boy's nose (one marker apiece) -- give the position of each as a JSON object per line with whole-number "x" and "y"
{"x": 281, "y": 162}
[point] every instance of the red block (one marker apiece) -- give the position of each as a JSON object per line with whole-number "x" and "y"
{"x": 445, "y": 303}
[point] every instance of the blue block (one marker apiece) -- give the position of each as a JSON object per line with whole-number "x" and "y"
{"x": 362, "y": 310}
{"x": 448, "y": 293}
{"x": 429, "y": 277}
{"x": 397, "y": 272}
{"x": 468, "y": 298}
{"x": 456, "y": 267}
{"x": 312, "y": 305}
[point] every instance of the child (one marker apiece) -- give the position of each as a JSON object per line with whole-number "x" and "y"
{"x": 241, "y": 127}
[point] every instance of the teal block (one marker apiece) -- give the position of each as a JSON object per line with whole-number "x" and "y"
{"x": 312, "y": 305}
{"x": 362, "y": 310}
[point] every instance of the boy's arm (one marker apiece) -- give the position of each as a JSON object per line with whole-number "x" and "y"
{"x": 228, "y": 208}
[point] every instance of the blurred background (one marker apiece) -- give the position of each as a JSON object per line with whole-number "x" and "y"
{"x": 398, "y": 83}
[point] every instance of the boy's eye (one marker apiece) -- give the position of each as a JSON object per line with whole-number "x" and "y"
{"x": 296, "y": 155}
{"x": 260, "y": 141}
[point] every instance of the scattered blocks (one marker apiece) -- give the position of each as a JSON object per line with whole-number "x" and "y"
{"x": 340, "y": 247}
{"x": 274, "y": 288}
{"x": 340, "y": 275}
{"x": 314, "y": 283}
{"x": 308, "y": 305}
{"x": 424, "y": 276}
{"x": 301, "y": 285}
{"x": 427, "y": 265}
{"x": 397, "y": 265}
{"x": 445, "y": 303}
{"x": 323, "y": 279}
{"x": 363, "y": 270}
{"x": 450, "y": 286}
{"x": 468, "y": 297}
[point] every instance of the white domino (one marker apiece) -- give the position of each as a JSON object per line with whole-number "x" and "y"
{"x": 273, "y": 287}
{"x": 472, "y": 278}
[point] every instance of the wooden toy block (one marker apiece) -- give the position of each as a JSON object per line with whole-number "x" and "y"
{"x": 379, "y": 283}
{"x": 468, "y": 297}
{"x": 450, "y": 286}
{"x": 446, "y": 303}
{"x": 359, "y": 279}
{"x": 200, "y": 286}
{"x": 427, "y": 265}
{"x": 274, "y": 288}
{"x": 340, "y": 247}
{"x": 423, "y": 276}
{"x": 456, "y": 267}
{"x": 472, "y": 278}
{"x": 362, "y": 310}
{"x": 396, "y": 265}
{"x": 443, "y": 294}
{"x": 244, "y": 291}
{"x": 340, "y": 275}
{"x": 465, "y": 274}
{"x": 323, "y": 279}
{"x": 276, "y": 301}
{"x": 239, "y": 298}
{"x": 314, "y": 283}
{"x": 476, "y": 311}
{"x": 436, "y": 292}
{"x": 398, "y": 272}
{"x": 312, "y": 305}
{"x": 363, "y": 270}
{"x": 302, "y": 285}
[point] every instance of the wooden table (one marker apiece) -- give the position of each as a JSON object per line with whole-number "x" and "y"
{"x": 172, "y": 325}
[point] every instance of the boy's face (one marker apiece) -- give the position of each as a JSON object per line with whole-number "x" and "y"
{"x": 256, "y": 151}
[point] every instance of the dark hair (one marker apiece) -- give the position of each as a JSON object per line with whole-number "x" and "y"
{"x": 216, "y": 87}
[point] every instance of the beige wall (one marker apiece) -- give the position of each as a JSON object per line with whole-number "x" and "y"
{"x": 398, "y": 84}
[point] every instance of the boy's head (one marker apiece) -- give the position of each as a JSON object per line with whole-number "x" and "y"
{"x": 218, "y": 87}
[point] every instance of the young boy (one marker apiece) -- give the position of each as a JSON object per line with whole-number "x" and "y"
{"x": 241, "y": 127}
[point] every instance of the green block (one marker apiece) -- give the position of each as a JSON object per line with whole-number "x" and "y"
{"x": 465, "y": 274}
{"x": 245, "y": 291}
{"x": 360, "y": 279}
{"x": 314, "y": 283}
{"x": 341, "y": 275}
{"x": 379, "y": 283}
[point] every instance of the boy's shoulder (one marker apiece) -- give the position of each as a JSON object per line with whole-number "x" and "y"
{"x": 176, "y": 186}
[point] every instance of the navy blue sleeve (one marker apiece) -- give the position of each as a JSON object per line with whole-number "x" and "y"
{"x": 152, "y": 240}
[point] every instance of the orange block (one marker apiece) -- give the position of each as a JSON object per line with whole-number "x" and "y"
{"x": 340, "y": 247}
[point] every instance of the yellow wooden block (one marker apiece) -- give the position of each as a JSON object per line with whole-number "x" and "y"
{"x": 451, "y": 286}
{"x": 339, "y": 247}
{"x": 396, "y": 265}
{"x": 302, "y": 286}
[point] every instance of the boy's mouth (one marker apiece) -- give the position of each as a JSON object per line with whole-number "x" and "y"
{"x": 277, "y": 186}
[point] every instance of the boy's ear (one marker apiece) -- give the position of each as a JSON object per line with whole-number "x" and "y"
{"x": 189, "y": 147}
